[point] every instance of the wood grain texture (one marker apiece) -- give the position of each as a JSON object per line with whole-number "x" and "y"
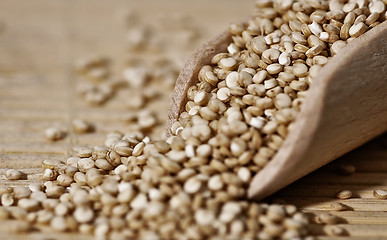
{"x": 34, "y": 57}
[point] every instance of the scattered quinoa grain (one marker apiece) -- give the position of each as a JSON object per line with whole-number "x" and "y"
{"x": 54, "y": 133}
{"x": 13, "y": 174}
{"x": 345, "y": 194}
{"x": 81, "y": 126}
{"x": 380, "y": 194}
{"x": 337, "y": 206}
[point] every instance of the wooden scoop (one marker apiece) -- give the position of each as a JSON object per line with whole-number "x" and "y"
{"x": 346, "y": 106}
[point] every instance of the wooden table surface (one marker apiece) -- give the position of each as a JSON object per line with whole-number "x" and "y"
{"x": 39, "y": 41}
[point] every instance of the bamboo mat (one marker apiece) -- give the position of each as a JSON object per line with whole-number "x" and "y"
{"x": 39, "y": 41}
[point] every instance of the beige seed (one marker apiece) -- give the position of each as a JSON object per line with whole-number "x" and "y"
{"x": 314, "y": 51}
{"x": 260, "y": 76}
{"x": 139, "y": 202}
{"x": 334, "y": 231}
{"x": 284, "y": 59}
{"x": 258, "y": 122}
{"x": 83, "y": 214}
{"x": 44, "y": 216}
{"x": 82, "y": 126}
{"x": 318, "y": 60}
{"x": 357, "y": 30}
{"x": 80, "y": 178}
{"x": 103, "y": 164}
{"x": 315, "y": 28}
{"x": 244, "y": 174}
{"x": 380, "y": 194}
{"x": 55, "y": 191}
{"x": 61, "y": 209}
{"x": 177, "y": 156}
{"x": 276, "y": 213}
{"x": 270, "y": 56}
{"x": 204, "y": 150}
{"x": 138, "y": 149}
{"x": 147, "y": 121}
{"x": 210, "y": 77}
{"x": 93, "y": 177}
{"x": 345, "y": 194}
{"x": 192, "y": 185}
{"x": 38, "y": 195}
{"x": 54, "y": 133}
{"x": 101, "y": 230}
{"x": 136, "y": 101}
{"x": 86, "y": 228}
{"x": 299, "y": 38}
{"x": 67, "y": 170}
{"x": 229, "y": 211}
{"x": 202, "y": 97}
{"x": 58, "y": 223}
{"x": 300, "y": 70}
{"x": 327, "y": 218}
{"x": 298, "y": 85}
{"x": 7, "y": 199}
{"x": 35, "y": 187}
{"x": 5, "y": 189}
{"x": 20, "y": 192}
{"x": 258, "y": 44}
{"x": 349, "y": 7}
{"x": 232, "y": 80}
{"x": 80, "y": 197}
{"x": 282, "y": 100}
{"x": 270, "y": 83}
{"x": 204, "y": 217}
{"x": 377, "y": 7}
{"x": 227, "y": 63}
{"x": 337, "y": 206}
{"x": 123, "y": 148}
{"x": 337, "y": 46}
{"x": 223, "y": 94}
{"x": 350, "y": 18}
{"x": 64, "y": 180}
{"x": 274, "y": 68}
{"x": 84, "y": 152}
{"x": 121, "y": 169}
{"x": 31, "y": 217}
{"x": 72, "y": 161}
{"x": 372, "y": 18}
{"x": 29, "y": 204}
{"x": 85, "y": 164}
{"x": 51, "y": 163}
{"x": 215, "y": 183}
{"x": 13, "y": 174}
{"x": 237, "y": 146}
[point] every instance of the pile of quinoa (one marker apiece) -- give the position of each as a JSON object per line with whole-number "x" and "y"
{"x": 194, "y": 184}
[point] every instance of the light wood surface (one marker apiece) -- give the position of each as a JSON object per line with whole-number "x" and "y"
{"x": 40, "y": 40}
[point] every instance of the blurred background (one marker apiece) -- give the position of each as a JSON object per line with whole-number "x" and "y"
{"x": 44, "y": 43}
